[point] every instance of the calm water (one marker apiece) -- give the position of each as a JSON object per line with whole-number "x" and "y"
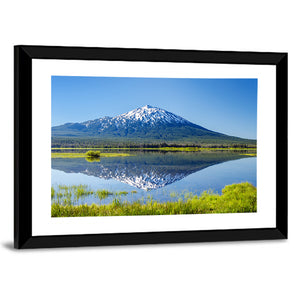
{"x": 162, "y": 176}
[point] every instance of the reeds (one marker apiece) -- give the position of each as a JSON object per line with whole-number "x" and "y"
{"x": 79, "y": 155}
{"x": 235, "y": 198}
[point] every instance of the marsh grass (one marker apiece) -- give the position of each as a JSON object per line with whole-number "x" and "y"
{"x": 168, "y": 148}
{"x": 196, "y": 149}
{"x": 88, "y": 158}
{"x": 70, "y": 194}
{"x": 102, "y": 194}
{"x": 73, "y": 194}
{"x": 235, "y": 198}
{"x": 121, "y": 193}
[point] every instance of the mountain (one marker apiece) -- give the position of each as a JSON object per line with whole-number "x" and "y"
{"x": 145, "y": 124}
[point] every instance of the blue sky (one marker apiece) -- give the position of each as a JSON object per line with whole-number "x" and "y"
{"x": 225, "y": 105}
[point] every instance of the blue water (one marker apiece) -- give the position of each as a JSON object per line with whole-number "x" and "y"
{"x": 162, "y": 177}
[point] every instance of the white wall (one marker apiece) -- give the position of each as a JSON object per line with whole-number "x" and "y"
{"x": 245, "y": 270}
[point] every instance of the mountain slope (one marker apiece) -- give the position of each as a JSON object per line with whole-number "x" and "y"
{"x": 144, "y": 124}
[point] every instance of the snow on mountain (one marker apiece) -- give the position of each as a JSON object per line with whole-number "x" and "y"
{"x": 147, "y": 115}
{"x": 145, "y": 179}
{"x": 145, "y": 124}
{"x": 152, "y": 115}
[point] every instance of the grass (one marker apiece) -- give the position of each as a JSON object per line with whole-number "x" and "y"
{"x": 71, "y": 194}
{"x": 102, "y": 194}
{"x": 94, "y": 156}
{"x": 235, "y": 198}
{"x": 80, "y": 148}
{"x": 186, "y": 149}
{"x": 88, "y": 157}
{"x": 196, "y": 149}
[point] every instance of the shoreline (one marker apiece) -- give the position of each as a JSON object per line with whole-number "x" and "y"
{"x": 79, "y": 155}
{"x": 235, "y": 198}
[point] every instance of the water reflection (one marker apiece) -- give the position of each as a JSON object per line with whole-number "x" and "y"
{"x": 145, "y": 171}
{"x": 92, "y": 159}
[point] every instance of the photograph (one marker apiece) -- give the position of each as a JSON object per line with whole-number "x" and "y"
{"x": 127, "y": 146}
{"x": 150, "y": 150}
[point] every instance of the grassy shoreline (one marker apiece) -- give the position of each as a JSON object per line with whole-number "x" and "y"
{"x": 235, "y": 198}
{"x": 163, "y": 148}
{"x": 75, "y": 154}
{"x": 78, "y": 155}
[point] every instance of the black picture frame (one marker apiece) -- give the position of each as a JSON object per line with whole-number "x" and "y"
{"x": 23, "y": 56}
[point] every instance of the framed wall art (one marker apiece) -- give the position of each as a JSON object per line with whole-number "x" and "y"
{"x": 142, "y": 146}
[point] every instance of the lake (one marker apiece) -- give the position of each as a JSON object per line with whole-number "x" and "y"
{"x": 161, "y": 176}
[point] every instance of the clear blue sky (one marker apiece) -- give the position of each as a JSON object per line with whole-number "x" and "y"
{"x": 225, "y": 105}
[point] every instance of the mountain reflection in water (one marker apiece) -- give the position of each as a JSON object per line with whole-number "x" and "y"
{"x": 145, "y": 171}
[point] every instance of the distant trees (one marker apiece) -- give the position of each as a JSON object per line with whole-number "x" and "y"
{"x": 68, "y": 142}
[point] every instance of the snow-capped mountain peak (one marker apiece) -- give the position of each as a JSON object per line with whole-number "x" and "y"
{"x": 143, "y": 116}
{"x": 150, "y": 115}
{"x": 146, "y": 124}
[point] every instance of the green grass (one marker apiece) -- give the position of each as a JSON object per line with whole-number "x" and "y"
{"x": 102, "y": 194}
{"x": 196, "y": 149}
{"x": 185, "y": 149}
{"x": 78, "y": 155}
{"x": 70, "y": 194}
{"x": 235, "y": 198}
{"x": 77, "y": 148}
